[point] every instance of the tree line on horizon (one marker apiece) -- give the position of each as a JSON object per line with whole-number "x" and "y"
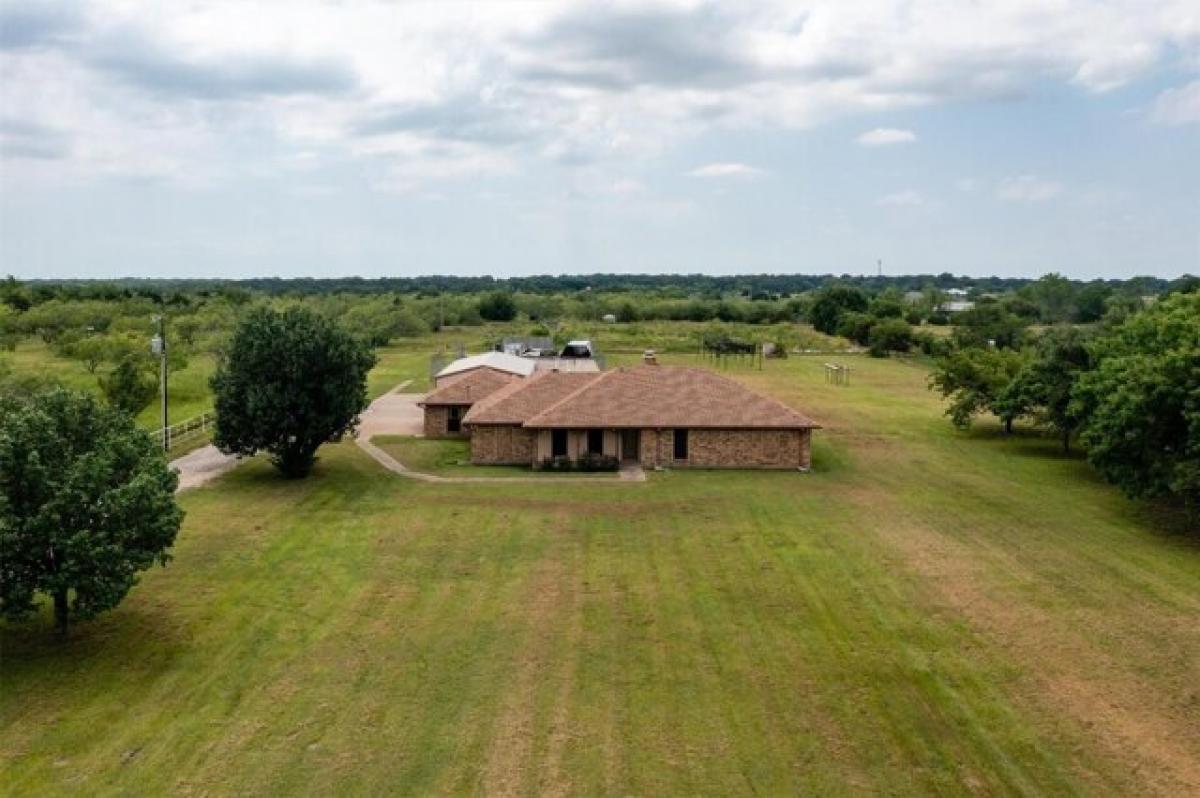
{"x": 750, "y": 286}
{"x": 104, "y": 325}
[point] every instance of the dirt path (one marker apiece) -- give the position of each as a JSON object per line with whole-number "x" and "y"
{"x": 628, "y": 474}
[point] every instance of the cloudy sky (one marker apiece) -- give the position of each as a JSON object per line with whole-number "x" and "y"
{"x": 399, "y": 138}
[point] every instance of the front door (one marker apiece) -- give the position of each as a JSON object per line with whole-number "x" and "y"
{"x": 629, "y": 445}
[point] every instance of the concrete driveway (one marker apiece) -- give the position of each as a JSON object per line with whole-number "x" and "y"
{"x": 394, "y": 413}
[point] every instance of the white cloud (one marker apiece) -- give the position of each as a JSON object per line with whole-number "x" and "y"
{"x": 626, "y": 185}
{"x": 908, "y": 198}
{"x": 883, "y": 136}
{"x": 726, "y": 170}
{"x": 1028, "y": 188}
{"x": 1179, "y": 106}
{"x": 188, "y": 90}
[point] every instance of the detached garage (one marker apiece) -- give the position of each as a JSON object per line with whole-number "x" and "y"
{"x": 447, "y": 406}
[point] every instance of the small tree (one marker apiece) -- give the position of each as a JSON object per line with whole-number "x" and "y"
{"x": 890, "y": 335}
{"x": 128, "y": 387}
{"x": 974, "y": 380}
{"x": 498, "y": 306}
{"x": 856, "y": 326}
{"x": 92, "y": 351}
{"x": 86, "y": 503}
{"x": 289, "y": 382}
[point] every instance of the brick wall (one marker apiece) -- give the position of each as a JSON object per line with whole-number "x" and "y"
{"x": 436, "y": 422}
{"x": 729, "y": 448}
{"x": 493, "y": 444}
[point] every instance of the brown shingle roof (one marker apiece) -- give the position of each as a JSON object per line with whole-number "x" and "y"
{"x": 469, "y": 388}
{"x": 667, "y": 396}
{"x": 517, "y": 402}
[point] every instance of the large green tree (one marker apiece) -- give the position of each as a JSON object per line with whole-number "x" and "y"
{"x": 86, "y": 503}
{"x": 1054, "y": 296}
{"x": 1043, "y": 387}
{"x": 288, "y": 383}
{"x": 1142, "y": 402}
{"x": 989, "y": 324}
{"x": 831, "y": 303}
{"x": 498, "y": 306}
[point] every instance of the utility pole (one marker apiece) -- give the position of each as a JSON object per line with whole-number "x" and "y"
{"x": 158, "y": 345}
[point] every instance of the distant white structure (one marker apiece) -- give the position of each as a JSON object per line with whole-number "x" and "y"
{"x": 955, "y": 307}
{"x": 914, "y": 297}
{"x": 956, "y": 292}
{"x": 609, "y": 318}
{"x": 499, "y": 361}
{"x": 519, "y": 365}
{"x": 565, "y": 364}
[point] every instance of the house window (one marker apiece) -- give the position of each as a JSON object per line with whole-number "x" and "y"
{"x": 454, "y": 419}
{"x": 681, "y": 444}
{"x": 558, "y": 443}
{"x": 595, "y": 441}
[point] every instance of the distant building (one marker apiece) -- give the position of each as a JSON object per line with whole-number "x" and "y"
{"x": 914, "y": 297}
{"x": 955, "y": 307}
{"x": 609, "y": 318}
{"x": 498, "y": 361}
{"x": 529, "y": 345}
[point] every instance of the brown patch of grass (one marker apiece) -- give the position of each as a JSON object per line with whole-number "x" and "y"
{"x": 550, "y": 614}
{"x": 562, "y": 508}
{"x": 1135, "y": 723}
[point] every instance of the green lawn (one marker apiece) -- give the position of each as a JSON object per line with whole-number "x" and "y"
{"x": 927, "y": 612}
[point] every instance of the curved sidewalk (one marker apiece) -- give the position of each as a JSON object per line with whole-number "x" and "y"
{"x": 625, "y": 475}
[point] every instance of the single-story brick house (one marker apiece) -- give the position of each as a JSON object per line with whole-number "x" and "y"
{"x": 465, "y": 381}
{"x": 496, "y": 422}
{"x": 447, "y": 405}
{"x": 650, "y": 414}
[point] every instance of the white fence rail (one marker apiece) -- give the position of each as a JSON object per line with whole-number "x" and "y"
{"x": 184, "y": 430}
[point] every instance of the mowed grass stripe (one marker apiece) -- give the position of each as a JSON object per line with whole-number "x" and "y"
{"x": 927, "y": 612}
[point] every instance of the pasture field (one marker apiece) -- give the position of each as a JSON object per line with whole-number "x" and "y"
{"x": 187, "y": 388}
{"x": 928, "y": 611}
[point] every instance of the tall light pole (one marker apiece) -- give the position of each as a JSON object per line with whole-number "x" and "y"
{"x": 158, "y": 345}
